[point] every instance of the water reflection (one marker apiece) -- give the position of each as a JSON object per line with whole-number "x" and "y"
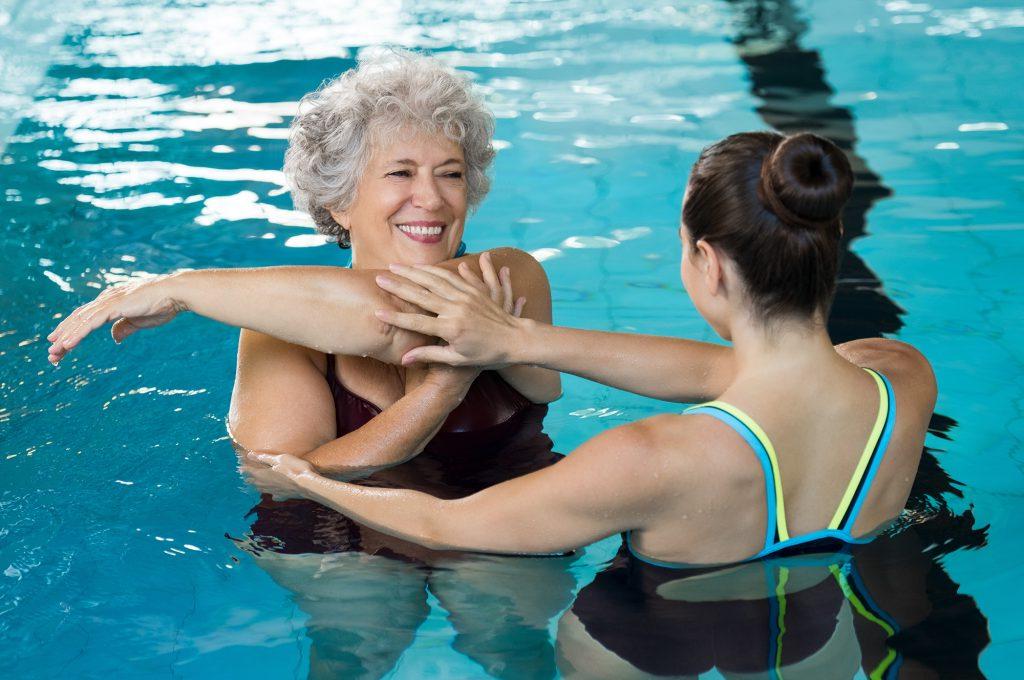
{"x": 366, "y": 593}
{"x": 889, "y": 609}
{"x": 364, "y": 608}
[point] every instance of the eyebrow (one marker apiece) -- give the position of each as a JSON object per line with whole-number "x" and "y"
{"x": 409, "y": 161}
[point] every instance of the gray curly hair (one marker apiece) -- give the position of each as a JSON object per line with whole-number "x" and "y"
{"x": 332, "y": 137}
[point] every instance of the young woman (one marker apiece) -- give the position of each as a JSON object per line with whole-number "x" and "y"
{"x": 807, "y": 447}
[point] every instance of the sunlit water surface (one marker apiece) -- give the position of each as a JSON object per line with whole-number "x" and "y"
{"x": 144, "y": 137}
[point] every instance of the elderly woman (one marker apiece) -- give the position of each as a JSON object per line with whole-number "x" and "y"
{"x": 388, "y": 159}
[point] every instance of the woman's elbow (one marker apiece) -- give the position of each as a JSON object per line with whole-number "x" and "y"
{"x": 438, "y": 532}
{"x": 548, "y": 390}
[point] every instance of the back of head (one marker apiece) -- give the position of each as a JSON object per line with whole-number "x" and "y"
{"x": 774, "y": 204}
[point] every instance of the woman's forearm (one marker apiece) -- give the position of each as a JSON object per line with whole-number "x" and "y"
{"x": 539, "y": 385}
{"x": 329, "y": 309}
{"x": 410, "y": 515}
{"x": 666, "y": 368}
{"x": 392, "y": 437}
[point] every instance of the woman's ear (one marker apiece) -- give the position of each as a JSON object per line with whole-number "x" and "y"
{"x": 342, "y": 218}
{"x": 710, "y": 266}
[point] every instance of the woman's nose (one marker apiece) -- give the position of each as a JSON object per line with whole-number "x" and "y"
{"x": 425, "y": 193}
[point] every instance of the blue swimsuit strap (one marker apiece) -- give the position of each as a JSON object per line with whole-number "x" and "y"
{"x": 877, "y": 454}
{"x": 776, "y": 533}
{"x": 754, "y": 442}
{"x": 842, "y": 529}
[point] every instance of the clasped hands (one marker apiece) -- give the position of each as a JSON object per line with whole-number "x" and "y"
{"x": 476, "y": 316}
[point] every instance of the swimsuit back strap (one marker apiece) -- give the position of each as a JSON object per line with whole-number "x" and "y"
{"x": 756, "y": 438}
{"x": 864, "y": 474}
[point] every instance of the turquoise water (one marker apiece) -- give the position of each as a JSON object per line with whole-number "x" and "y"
{"x": 143, "y": 137}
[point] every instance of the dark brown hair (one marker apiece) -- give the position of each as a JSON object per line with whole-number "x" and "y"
{"x": 773, "y": 205}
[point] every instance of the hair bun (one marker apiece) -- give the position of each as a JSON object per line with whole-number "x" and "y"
{"x": 806, "y": 181}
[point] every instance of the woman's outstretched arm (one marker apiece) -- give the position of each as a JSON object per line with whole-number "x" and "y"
{"x": 602, "y": 488}
{"x": 479, "y": 332}
{"x": 329, "y": 309}
{"x": 324, "y": 308}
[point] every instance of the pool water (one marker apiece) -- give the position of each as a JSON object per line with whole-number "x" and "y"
{"x": 143, "y": 137}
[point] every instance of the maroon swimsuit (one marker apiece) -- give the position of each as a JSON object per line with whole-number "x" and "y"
{"x": 494, "y": 435}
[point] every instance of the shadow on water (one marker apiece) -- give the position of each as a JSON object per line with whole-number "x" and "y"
{"x": 889, "y": 608}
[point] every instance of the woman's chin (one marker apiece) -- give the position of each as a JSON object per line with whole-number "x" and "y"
{"x": 427, "y": 253}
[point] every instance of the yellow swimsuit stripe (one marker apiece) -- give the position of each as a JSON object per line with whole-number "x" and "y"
{"x": 865, "y": 458}
{"x": 851, "y": 488}
{"x": 879, "y": 671}
{"x": 780, "y": 506}
{"x": 780, "y": 594}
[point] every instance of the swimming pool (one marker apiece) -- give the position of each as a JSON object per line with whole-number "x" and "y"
{"x": 146, "y": 137}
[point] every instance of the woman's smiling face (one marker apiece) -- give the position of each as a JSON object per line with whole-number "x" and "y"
{"x": 410, "y": 204}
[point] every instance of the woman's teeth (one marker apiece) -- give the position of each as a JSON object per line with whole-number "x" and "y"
{"x": 420, "y": 231}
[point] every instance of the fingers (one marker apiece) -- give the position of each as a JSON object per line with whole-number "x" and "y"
{"x": 520, "y": 303}
{"x": 471, "y": 277}
{"x": 417, "y": 323}
{"x": 434, "y": 279}
{"x": 490, "y": 276}
{"x": 75, "y": 317}
{"x": 79, "y": 324}
{"x": 268, "y": 459}
{"x": 413, "y": 293}
{"x": 121, "y": 329}
{"x": 434, "y": 354}
{"x": 508, "y": 300}
{"x": 456, "y": 282}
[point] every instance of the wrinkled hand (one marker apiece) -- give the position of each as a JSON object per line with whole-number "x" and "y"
{"x": 131, "y": 307}
{"x": 479, "y": 319}
{"x": 276, "y": 474}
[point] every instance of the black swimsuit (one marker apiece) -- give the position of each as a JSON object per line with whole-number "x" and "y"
{"x": 494, "y": 435}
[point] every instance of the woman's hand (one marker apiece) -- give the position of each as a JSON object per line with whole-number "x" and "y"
{"x": 479, "y": 319}
{"x": 131, "y": 307}
{"x": 276, "y": 474}
{"x": 453, "y": 380}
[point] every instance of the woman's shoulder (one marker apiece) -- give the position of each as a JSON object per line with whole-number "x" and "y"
{"x": 696, "y": 447}
{"x": 518, "y": 261}
{"x": 253, "y": 345}
{"x": 896, "y": 360}
{"x": 906, "y": 368}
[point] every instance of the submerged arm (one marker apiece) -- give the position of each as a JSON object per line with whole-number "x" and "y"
{"x": 330, "y": 309}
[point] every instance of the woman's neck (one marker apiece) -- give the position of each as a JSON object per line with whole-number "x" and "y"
{"x": 790, "y": 346}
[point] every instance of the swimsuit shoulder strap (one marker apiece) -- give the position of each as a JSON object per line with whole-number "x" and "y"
{"x": 756, "y": 438}
{"x": 330, "y": 374}
{"x": 864, "y": 474}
